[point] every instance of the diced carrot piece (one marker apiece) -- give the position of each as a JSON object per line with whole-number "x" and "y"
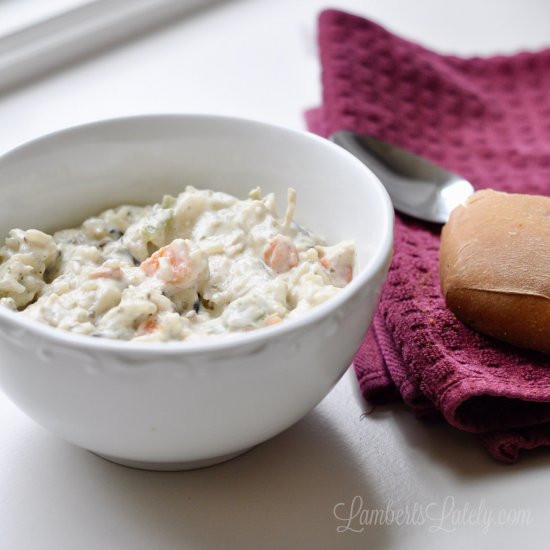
{"x": 177, "y": 255}
{"x": 272, "y": 320}
{"x": 147, "y": 326}
{"x": 107, "y": 273}
{"x": 340, "y": 271}
{"x": 281, "y": 254}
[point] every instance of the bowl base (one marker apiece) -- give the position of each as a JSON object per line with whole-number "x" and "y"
{"x": 172, "y": 466}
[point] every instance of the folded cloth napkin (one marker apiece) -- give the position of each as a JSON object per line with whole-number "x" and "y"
{"x": 487, "y": 119}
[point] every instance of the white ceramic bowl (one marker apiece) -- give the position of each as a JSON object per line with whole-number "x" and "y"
{"x": 184, "y": 405}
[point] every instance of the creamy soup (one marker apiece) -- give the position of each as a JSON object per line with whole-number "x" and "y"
{"x": 197, "y": 265}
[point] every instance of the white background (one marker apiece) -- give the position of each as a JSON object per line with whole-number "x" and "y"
{"x": 257, "y": 59}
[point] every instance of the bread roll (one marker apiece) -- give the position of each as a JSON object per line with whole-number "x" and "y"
{"x": 495, "y": 266}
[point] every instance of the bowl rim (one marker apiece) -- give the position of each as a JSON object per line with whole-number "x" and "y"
{"x": 377, "y": 262}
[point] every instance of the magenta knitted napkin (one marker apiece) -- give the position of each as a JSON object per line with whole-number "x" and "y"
{"x": 487, "y": 119}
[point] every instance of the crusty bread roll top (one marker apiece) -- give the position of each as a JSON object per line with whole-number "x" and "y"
{"x": 495, "y": 266}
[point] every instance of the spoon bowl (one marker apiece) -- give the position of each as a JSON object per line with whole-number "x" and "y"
{"x": 416, "y": 186}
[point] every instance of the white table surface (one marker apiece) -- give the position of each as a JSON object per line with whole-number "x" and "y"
{"x": 257, "y": 59}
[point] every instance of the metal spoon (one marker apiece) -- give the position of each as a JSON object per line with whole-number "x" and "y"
{"x": 416, "y": 186}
